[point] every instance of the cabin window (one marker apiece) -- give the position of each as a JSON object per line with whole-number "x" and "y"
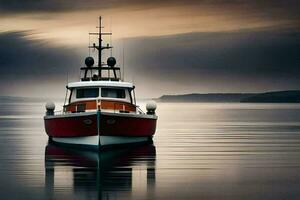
{"x": 113, "y": 93}
{"x": 87, "y": 93}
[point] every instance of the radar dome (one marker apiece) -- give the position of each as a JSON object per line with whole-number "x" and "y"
{"x": 111, "y": 61}
{"x": 89, "y": 61}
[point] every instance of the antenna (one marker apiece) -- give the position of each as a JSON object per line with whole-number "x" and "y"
{"x": 110, "y": 37}
{"x": 89, "y": 45}
{"x": 123, "y": 75}
{"x": 100, "y": 46}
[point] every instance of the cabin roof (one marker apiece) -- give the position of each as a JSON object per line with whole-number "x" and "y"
{"x": 100, "y": 84}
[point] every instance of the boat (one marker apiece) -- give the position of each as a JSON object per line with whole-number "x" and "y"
{"x": 100, "y": 109}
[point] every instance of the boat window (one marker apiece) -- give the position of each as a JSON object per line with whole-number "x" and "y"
{"x": 113, "y": 93}
{"x": 87, "y": 93}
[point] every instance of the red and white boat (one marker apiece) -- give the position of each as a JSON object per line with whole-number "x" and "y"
{"x": 100, "y": 109}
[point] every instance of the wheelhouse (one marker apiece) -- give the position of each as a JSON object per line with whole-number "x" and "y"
{"x": 109, "y": 96}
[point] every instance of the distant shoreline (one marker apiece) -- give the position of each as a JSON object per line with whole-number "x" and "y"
{"x": 26, "y": 99}
{"x": 289, "y": 96}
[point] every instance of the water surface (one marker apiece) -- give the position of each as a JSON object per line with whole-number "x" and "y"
{"x": 200, "y": 151}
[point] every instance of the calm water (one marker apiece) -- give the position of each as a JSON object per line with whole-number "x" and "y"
{"x": 200, "y": 151}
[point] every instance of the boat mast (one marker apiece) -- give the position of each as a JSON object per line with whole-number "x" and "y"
{"x": 99, "y": 47}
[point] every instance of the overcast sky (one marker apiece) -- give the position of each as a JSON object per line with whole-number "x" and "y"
{"x": 171, "y": 47}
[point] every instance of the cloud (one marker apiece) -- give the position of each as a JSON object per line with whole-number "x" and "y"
{"x": 267, "y": 8}
{"x": 65, "y": 22}
{"x": 24, "y": 62}
{"x": 238, "y": 61}
{"x": 224, "y": 61}
{"x": 19, "y": 55}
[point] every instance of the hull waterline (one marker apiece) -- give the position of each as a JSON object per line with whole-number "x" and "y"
{"x": 99, "y": 140}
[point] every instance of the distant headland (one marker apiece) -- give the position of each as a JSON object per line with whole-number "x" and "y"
{"x": 290, "y": 96}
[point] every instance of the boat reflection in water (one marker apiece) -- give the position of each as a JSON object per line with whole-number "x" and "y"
{"x": 108, "y": 174}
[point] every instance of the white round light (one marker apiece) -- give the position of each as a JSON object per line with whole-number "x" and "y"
{"x": 50, "y": 106}
{"x": 151, "y": 105}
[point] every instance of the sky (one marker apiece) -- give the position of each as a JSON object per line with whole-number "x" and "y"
{"x": 169, "y": 47}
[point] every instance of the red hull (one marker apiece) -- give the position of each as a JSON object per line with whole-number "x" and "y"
{"x": 111, "y": 124}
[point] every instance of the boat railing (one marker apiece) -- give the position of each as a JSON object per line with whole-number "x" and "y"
{"x": 120, "y": 110}
{"x": 139, "y": 110}
{"x": 116, "y": 108}
{"x": 59, "y": 112}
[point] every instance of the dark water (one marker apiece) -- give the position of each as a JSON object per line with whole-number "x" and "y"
{"x": 200, "y": 151}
